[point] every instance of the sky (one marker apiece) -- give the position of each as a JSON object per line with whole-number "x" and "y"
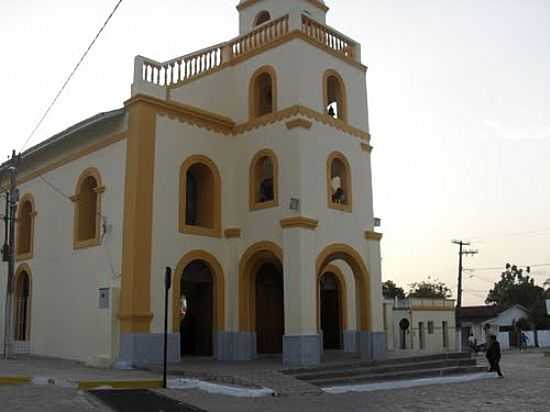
{"x": 459, "y": 99}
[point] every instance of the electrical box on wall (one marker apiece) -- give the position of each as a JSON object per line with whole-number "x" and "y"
{"x": 104, "y": 298}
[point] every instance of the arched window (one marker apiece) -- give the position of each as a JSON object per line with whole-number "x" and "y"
{"x": 264, "y": 182}
{"x": 25, "y": 228}
{"x": 261, "y": 18}
{"x": 335, "y": 103}
{"x": 263, "y": 92}
{"x": 87, "y": 201}
{"x": 200, "y": 194}
{"x": 339, "y": 182}
{"x": 22, "y": 304}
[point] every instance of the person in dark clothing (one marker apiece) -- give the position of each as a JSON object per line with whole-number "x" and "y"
{"x": 493, "y": 355}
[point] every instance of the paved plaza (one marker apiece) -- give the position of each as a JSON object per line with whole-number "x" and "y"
{"x": 526, "y": 388}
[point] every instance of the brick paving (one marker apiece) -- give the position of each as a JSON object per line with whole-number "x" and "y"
{"x": 525, "y": 388}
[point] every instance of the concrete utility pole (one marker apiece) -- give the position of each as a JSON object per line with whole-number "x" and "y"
{"x": 461, "y": 252}
{"x": 12, "y": 200}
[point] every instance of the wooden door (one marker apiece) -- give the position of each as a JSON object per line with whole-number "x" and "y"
{"x": 330, "y": 319}
{"x": 270, "y": 324}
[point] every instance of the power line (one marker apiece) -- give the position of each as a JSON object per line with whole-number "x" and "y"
{"x": 71, "y": 75}
{"x": 483, "y": 239}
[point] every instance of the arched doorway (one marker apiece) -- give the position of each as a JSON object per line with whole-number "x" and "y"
{"x": 270, "y": 316}
{"x": 22, "y": 305}
{"x": 196, "y": 298}
{"x": 261, "y": 296}
{"x": 331, "y": 311}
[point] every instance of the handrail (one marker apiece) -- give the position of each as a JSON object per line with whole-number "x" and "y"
{"x": 190, "y": 66}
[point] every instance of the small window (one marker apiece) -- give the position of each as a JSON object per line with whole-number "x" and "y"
{"x": 430, "y": 327}
{"x": 199, "y": 197}
{"x": 87, "y": 201}
{"x": 339, "y": 182}
{"x": 263, "y": 180}
{"x": 335, "y": 95}
{"x": 261, "y": 18}
{"x": 263, "y": 97}
{"x": 25, "y": 228}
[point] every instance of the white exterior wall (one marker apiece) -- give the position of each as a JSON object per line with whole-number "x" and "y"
{"x": 510, "y": 316}
{"x": 65, "y": 319}
{"x": 299, "y": 67}
{"x": 302, "y": 159}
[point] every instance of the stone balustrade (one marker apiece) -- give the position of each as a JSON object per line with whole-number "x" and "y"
{"x": 148, "y": 72}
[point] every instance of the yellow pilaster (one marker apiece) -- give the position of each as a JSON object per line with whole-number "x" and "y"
{"x": 135, "y": 305}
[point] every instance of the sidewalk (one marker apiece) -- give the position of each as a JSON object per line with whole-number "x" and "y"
{"x": 41, "y": 370}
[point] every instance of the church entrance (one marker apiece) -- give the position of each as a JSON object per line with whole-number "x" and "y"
{"x": 270, "y": 317}
{"x": 196, "y": 326}
{"x": 330, "y": 312}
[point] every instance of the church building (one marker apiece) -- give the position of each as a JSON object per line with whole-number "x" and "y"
{"x": 246, "y": 167}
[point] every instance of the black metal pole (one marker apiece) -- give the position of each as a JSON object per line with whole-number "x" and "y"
{"x": 167, "y": 285}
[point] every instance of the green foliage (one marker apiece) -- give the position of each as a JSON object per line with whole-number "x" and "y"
{"x": 430, "y": 288}
{"x": 517, "y": 287}
{"x": 391, "y": 290}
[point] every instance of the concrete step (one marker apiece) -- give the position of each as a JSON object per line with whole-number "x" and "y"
{"x": 393, "y": 376}
{"x": 379, "y": 363}
{"x": 402, "y": 367}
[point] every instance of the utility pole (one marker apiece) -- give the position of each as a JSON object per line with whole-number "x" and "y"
{"x": 461, "y": 253}
{"x": 12, "y": 198}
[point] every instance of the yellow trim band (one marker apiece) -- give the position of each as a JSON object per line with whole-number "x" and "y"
{"x": 299, "y": 222}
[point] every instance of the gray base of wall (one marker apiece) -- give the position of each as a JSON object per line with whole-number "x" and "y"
{"x": 372, "y": 345}
{"x": 302, "y": 350}
{"x": 235, "y": 346}
{"x": 351, "y": 341}
{"x": 140, "y": 349}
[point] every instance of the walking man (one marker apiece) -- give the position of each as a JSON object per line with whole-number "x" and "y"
{"x": 493, "y": 355}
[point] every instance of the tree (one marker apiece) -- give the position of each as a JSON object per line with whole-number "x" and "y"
{"x": 391, "y": 291}
{"x": 430, "y": 288}
{"x": 517, "y": 287}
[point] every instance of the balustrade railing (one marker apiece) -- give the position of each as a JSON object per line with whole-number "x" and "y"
{"x": 328, "y": 37}
{"x": 195, "y": 64}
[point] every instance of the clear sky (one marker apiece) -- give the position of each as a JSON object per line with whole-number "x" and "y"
{"x": 459, "y": 95}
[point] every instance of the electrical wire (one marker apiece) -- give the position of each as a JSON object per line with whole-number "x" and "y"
{"x": 71, "y": 75}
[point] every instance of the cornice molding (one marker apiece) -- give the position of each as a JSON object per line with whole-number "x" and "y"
{"x": 371, "y": 235}
{"x": 300, "y": 222}
{"x": 297, "y": 123}
{"x": 250, "y": 3}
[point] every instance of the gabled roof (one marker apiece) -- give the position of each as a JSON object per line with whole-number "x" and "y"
{"x": 481, "y": 313}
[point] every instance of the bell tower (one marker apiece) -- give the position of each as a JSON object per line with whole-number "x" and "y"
{"x": 253, "y": 13}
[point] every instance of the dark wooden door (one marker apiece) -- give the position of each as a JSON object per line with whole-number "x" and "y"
{"x": 270, "y": 322}
{"x": 330, "y": 319}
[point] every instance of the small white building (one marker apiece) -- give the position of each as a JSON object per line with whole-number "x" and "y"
{"x": 424, "y": 325}
{"x": 483, "y": 321}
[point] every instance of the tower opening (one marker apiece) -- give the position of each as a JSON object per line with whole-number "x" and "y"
{"x": 200, "y": 196}
{"x": 261, "y": 18}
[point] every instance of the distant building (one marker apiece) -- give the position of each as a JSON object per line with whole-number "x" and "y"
{"x": 483, "y": 321}
{"x": 425, "y": 325}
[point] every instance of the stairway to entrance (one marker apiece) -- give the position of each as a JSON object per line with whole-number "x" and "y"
{"x": 413, "y": 367}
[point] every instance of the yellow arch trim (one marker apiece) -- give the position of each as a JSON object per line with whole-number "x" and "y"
{"x": 23, "y": 268}
{"x": 344, "y": 109}
{"x": 96, "y": 240}
{"x": 341, "y": 251}
{"x": 253, "y": 180}
{"x": 214, "y": 231}
{"x": 256, "y": 255}
{"x": 342, "y": 295}
{"x": 218, "y": 279}
{"x": 252, "y": 100}
{"x": 27, "y": 197}
{"x": 349, "y": 206}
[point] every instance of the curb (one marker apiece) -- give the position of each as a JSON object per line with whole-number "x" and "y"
{"x": 15, "y": 380}
{"x": 138, "y": 384}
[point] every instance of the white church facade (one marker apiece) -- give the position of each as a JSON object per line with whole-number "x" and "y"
{"x": 247, "y": 168}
